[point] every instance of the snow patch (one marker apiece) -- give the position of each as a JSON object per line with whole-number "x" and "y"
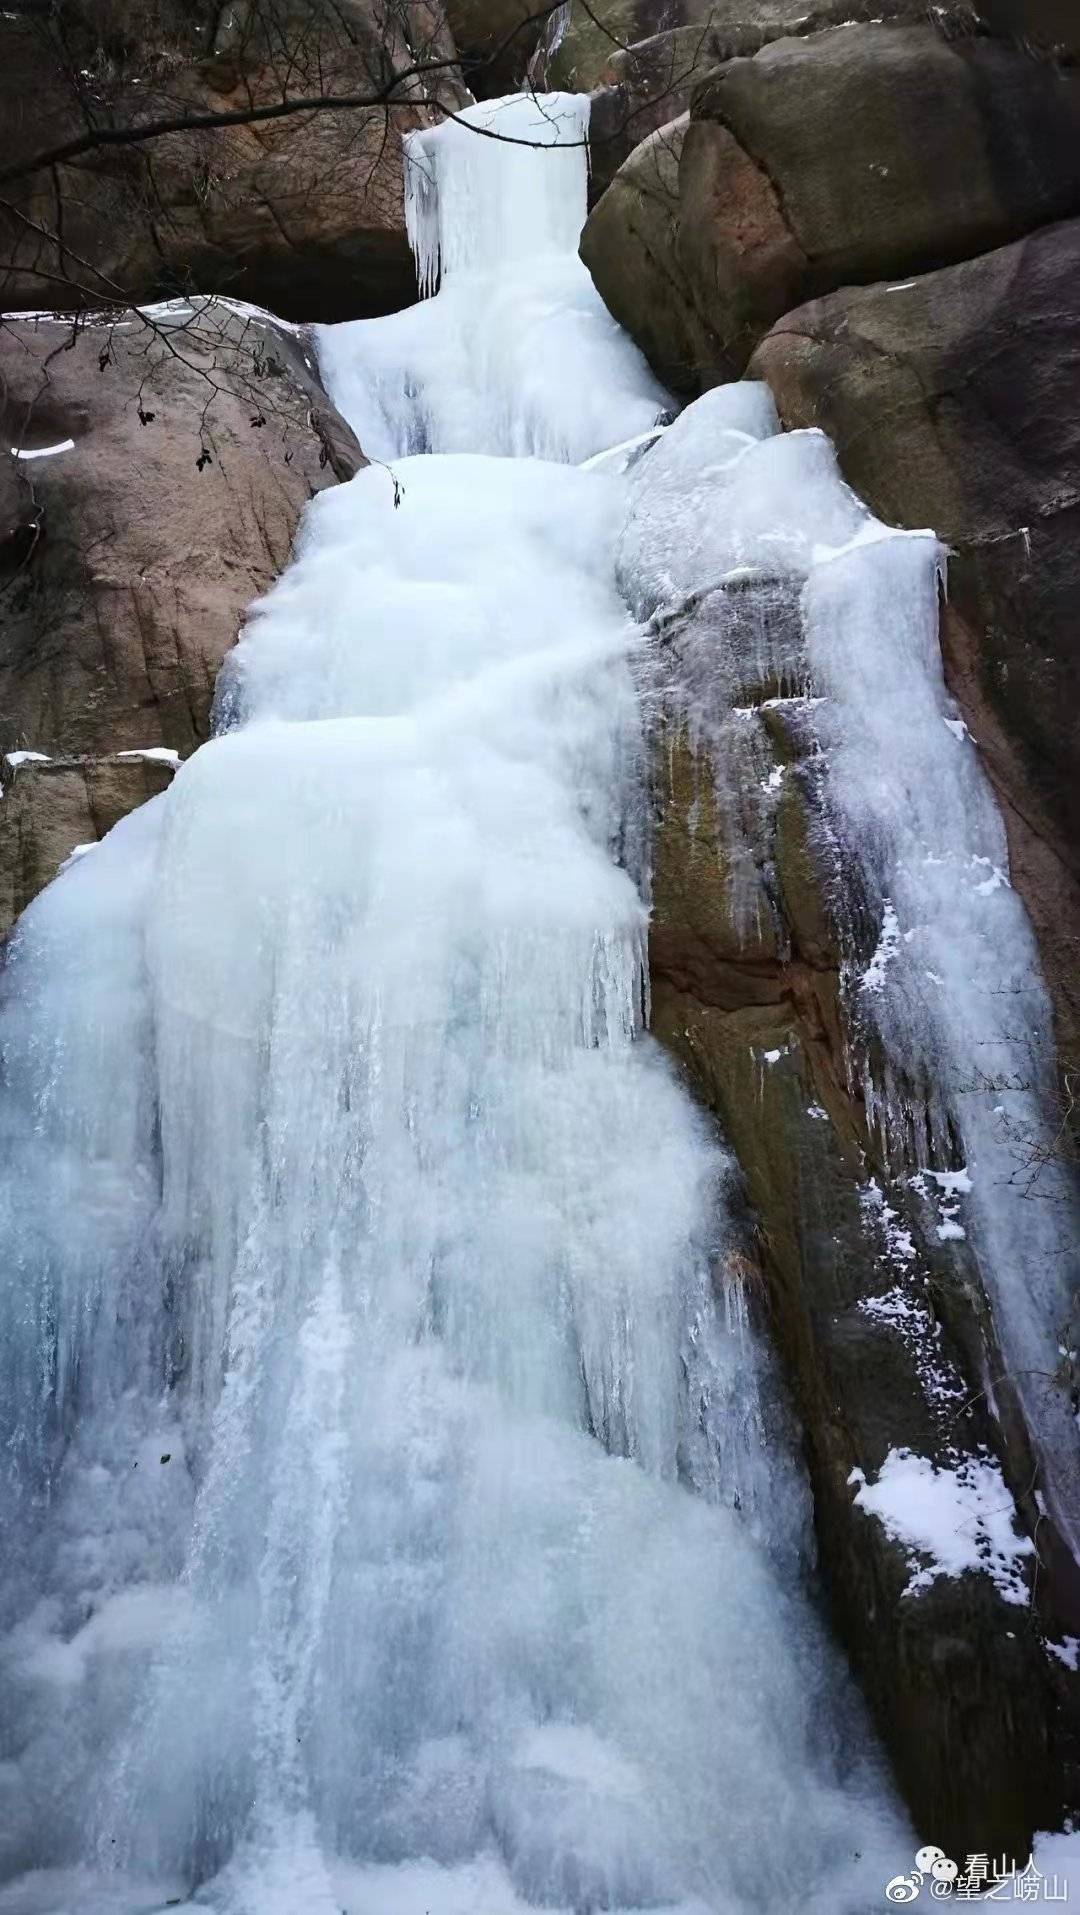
{"x": 78, "y": 851}
{"x": 956, "y": 1520}
{"x": 156, "y": 754}
{"x": 43, "y": 452}
{"x": 950, "y": 1181}
{"x": 950, "y": 1230}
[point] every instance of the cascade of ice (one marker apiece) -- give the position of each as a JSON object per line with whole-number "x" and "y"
{"x": 516, "y": 353}
{"x": 475, "y": 199}
{"x": 395, "y": 1520}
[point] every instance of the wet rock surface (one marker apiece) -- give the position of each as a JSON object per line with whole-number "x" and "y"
{"x": 884, "y": 1329}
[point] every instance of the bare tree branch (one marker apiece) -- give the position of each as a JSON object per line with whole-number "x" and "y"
{"x": 101, "y": 138}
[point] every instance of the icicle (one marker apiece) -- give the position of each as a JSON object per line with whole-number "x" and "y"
{"x": 515, "y": 353}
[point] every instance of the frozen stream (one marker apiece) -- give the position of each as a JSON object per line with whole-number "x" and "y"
{"x": 393, "y": 1518}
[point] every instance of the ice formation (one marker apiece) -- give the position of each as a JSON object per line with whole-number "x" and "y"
{"x": 950, "y": 1018}
{"x": 516, "y": 353}
{"x": 391, "y": 1521}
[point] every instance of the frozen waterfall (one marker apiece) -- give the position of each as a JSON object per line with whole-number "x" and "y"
{"x": 516, "y": 353}
{"x": 396, "y": 1506}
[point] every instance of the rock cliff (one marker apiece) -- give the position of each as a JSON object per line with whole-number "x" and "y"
{"x": 161, "y": 463}
{"x": 248, "y": 195}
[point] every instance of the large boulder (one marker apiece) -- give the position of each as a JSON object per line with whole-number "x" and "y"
{"x": 949, "y": 148}
{"x": 641, "y": 59}
{"x": 631, "y": 246}
{"x": 301, "y": 213}
{"x": 953, "y": 402}
{"x": 678, "y": 38}
{"x": 189, "y": 442}
{"x": 55, "y": 809}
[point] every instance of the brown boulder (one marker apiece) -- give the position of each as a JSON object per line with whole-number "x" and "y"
{"x": 51, "y": 810}
{"x": 631, "y": 246}
{"x": 301, "y": 213}
{"x": 641, "y": 62}
{"x": 953, "y": 403}
{"x": 677, "y": 38}
{"x": 128, "y": 559}
{"x": 948, "y": 148}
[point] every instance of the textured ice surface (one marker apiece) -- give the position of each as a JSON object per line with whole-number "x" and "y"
{"x": 393, "y": 1514}
{"x": 402, "y": 1254}
{"x": 502, "y": 182}
{"x": 516, "y": 353}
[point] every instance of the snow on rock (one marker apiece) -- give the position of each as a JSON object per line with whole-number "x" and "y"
{"x": 949, "y": 1230}
{"x": 873, "y": 978}
{"x": 16, "y": 758}
{"x": 42, "y": 452}
{"x": 156, "y": 754}
{"x": 78, "y": 851}
{"x": 899, "y": 1247}
{"x": 951, "y": 1181}
{"x": 892, "y": 1308}
{"x": 951, "y": 1521}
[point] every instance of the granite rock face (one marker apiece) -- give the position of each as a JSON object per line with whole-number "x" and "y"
{"x": 189, "y": 444}
{"x": 52, "y": 810}
{"x": 301, "y": 212}
{"x": 949, "y": 148}
{"x": 641, "y": 62}
{"x": 631, "y": 245}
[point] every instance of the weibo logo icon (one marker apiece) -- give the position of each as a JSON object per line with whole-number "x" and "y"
{"x": 933, "y": 1869}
